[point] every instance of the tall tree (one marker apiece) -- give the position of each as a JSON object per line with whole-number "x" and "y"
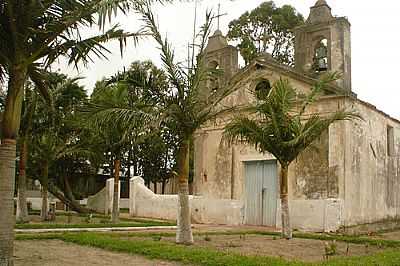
{"x": 267, "y": 28}
{"x": 56, "y": 135}
{"x": 186, "y": 108}
{"x": 33, "y": 34}
{"x": 282, "y": 128}
{"x": 107, "y": 114}
{"x": 24, "y": 139}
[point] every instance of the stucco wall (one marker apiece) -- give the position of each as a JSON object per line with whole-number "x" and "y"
{"x": 144, "y": 203}
{"x": 103, "y": 201}
{"x": 348, "y": 165}
{"x": 372, "y": 178}
{"x": 324, "y": 215}
{"x": 97, "y": 202}
{"x": 315, "y": 174}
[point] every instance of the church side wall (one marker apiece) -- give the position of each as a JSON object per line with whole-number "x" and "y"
{"x": 372, "y": 186}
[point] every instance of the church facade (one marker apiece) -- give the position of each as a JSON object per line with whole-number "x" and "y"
{"x": 351, "y": 177}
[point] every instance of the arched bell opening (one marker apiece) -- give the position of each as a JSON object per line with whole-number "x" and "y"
{"x": 320, "y": 60}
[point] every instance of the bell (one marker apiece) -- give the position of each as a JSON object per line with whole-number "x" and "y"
{"x": 321, "y": 51}
{"x": 322, "y": 64}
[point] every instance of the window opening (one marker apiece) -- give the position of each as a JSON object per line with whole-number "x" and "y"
{"x": 213, "y": 80}
{"x": 390, "y": 141}
{"x": 321, "y": 56}
{"x": 262, "y": 89}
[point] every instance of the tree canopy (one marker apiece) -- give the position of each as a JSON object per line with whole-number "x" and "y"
{"x": 267, "y": 28}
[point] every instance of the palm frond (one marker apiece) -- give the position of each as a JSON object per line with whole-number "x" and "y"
{"x": 244, "y": 129}
{"x": 37, "y": 76}
{"x": 175, "y": 72}
{"x": 318, "y": 88}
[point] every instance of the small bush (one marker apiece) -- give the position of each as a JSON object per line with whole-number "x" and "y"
{"x": 207, "y": 238}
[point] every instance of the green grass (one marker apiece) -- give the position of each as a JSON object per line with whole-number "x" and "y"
{"x": 87, "y": 225}
{"x": 205, "y": 256}
{"x": 162, "y": 250}
{"x": 324, "y": 237}
{"x": 97, "y": 221}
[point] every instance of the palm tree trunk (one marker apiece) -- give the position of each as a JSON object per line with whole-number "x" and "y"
{"x": 163, "y": 186}
{"x": 115, "y": 207}
{"x": 22, "y": 208}
{"x": 184, "y": 230}
{"x": 155, "y": 187}
{"x": 9, "y": 126}
{"x": 73, "y": 204}
{"x": 44, "y": 211}
{"x": 7, "y": 171}
{"x": 286, "y": 228}
{"x": 68, "y": 191}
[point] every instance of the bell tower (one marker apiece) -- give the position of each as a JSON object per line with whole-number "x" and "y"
{"x": 323, "y": 44}
{"x": 220, "y": 55}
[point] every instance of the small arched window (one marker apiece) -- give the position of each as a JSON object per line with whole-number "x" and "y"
{"x": 213, "y": 65}
{"x": 262, "y": 89}
{"x": 320, "y": 63}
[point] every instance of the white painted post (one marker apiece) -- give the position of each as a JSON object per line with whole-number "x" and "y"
{"x": 109, "y": 195}
{"x": 132, "y": 197}
{"x": 132, "y": 193}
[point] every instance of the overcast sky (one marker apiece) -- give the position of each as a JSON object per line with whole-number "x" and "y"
{"x": 375, "y": 42}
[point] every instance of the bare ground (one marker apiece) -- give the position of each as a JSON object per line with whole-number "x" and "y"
{"x": 395, "y": 235}
{"x": 296, "y": 249}
{"x": 59, "y": 253}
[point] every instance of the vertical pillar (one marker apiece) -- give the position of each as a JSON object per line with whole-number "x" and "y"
{"x": 108, "y": 202}
{"x": 133, "y": 185}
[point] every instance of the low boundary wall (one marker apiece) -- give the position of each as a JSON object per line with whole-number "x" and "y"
{"x": 144, "y": 203}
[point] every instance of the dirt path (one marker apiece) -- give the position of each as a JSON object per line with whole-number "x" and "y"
{"x": 59, "y": 253}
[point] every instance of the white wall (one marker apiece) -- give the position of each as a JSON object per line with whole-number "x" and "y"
{"x": 102, "y": 201}
{"x": 314, "y": 215}
{"x": 144, "y": 203}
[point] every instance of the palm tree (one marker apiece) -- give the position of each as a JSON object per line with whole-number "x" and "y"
{"x": 282, "y": 128}
{"x": 56, "y": 135}
{"x": 109, "y": 116}
{"x": 33, "y": 34}
{"x": 186, "y": 108}
{"x": 24, "y": 139}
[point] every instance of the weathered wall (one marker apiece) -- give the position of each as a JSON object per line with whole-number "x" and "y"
{"x": 144, "y": 203}
{"x": 103, "y": 200}
{"x": 97, "y": 202}
{"x": 323, "y": 215}
{"x": 314, "y": 178}
{"x": 219, "y": 166}
{"x": 372, "y": 177}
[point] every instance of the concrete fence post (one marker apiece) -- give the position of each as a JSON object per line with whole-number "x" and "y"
{"x": 108, "y": 202}
{"x": 133, "y": 182}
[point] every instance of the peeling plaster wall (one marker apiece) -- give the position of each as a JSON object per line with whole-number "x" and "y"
{"x": 315, "y": 178}
{"x": 219, "y": 167}
{"x": 103, "y": 200}
{"x": 372, "y": 186}
{"x": 348, "y": 164}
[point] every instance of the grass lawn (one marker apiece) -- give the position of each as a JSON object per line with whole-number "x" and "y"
{"x": 155, "y": 247}
{"x": 68, "y": 220}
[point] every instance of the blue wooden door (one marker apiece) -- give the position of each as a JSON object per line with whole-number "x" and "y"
{"x": 261, "y": 190}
